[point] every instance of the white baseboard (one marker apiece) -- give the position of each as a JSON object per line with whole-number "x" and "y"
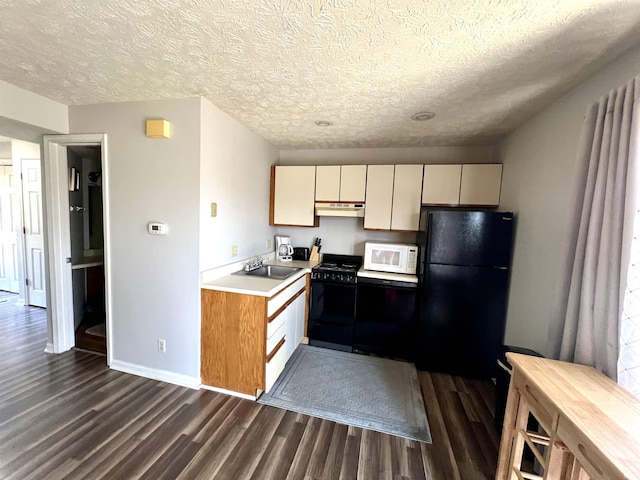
{"x": 161, "y": 375}
{"x": 229, "y": 392}
{"x": 48, "y": 348}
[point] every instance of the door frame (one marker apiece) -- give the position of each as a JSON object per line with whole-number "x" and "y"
{"x": 58, "y": 237}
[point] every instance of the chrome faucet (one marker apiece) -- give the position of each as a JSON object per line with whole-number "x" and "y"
{"x": 254, "y": 264}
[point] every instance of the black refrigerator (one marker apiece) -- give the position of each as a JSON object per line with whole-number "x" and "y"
{"x": 464, "y": 280}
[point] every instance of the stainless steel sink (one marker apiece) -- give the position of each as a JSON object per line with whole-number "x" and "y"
{"x": 271, "y": 271}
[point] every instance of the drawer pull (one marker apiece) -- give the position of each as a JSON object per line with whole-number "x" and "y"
{"x": 285, "y": 305}
{"x": 275, "y": 350}
{"x": 583, "y": 451}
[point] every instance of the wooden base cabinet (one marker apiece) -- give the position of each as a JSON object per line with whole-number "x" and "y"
{"x": 247, "y": 339}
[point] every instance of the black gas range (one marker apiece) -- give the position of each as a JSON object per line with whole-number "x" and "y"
{"x": 337, "y": 269}
{"x": 332, "y": 310}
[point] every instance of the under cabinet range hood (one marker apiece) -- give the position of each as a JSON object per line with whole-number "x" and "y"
{"x": 340, "y": 209}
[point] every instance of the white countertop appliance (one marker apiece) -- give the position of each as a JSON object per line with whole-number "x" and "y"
{"x": 391, "y": 257}
{"x": 284, "y": 250}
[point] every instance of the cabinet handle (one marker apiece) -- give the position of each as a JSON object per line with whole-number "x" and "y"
{"x": 275, "y": 350}
{"x": 286, "y": 304}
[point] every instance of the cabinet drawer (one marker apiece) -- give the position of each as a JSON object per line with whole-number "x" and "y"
{"x": 274, "y": 325}
{"x": 274, "y": 367}
{"x": 281, "y": 298}
{"x": 274, "y": 339}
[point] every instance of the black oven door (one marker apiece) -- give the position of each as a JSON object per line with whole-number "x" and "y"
{"x": 385, "y": 322}
{"x": 332, "y": 313}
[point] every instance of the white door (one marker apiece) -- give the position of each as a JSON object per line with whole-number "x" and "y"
{"x": 9, "y": 228}
{"x": 34, "y": 232}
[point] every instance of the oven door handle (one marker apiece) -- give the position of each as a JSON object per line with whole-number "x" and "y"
{"x": 386, "y": 283}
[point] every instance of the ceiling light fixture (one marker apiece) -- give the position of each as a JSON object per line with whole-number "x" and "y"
{"x": 323, "y": 123}
{"x": 422, "y": 116}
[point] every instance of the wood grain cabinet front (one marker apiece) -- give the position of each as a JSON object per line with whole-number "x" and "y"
{"x": 247, "y": 339}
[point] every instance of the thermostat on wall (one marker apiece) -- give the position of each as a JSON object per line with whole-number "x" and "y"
{"x": 158, "y": 228}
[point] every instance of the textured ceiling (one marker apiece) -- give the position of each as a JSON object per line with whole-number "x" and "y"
{"x": 483, "y": 66}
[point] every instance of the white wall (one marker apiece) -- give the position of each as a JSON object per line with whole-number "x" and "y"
{"x": 155, "y": 281}
{"x": 235, "y": 174}
{"x": 335, "y": 156}
{"x": 346, "y": 235}
{"x": 539, "y": 160}
{"x": 23, "y": 112}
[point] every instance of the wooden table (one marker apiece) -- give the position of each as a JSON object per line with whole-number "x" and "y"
{"x": 592, "y": 424}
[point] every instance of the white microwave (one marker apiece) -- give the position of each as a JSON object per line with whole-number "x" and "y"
{"x": 391, "y": 257}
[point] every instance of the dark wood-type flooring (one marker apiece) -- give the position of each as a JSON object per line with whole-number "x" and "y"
{"x": 69, "y": 417}
{"x": 87, "y": 341}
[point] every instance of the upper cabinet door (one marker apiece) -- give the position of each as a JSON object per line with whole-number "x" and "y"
{"x": 377, "y": 209}
{"x": 328, "y": 183}
{"x": 353, "y": 182}
{"x": 293, "y": 196}
{"x": 441, "y": 184}
{"x": 480, "y": 185}
{"x": 407, "y": 191}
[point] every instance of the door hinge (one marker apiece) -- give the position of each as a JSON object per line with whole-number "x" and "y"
{"x": 26, "y": 282}
{"x": 24, "y": 230}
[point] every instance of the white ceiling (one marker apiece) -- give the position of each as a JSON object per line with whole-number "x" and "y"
{"x": 483, "y": 66}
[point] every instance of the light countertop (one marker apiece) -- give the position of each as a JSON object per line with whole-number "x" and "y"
{"x": 398, "y": 277}
{"x": 260, "y": 286}
{"x": 88, "y": 261}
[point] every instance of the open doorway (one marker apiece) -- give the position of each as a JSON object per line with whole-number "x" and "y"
{"x": 22, "y": 263}
{"x": 87, "y": 246}
{"x": 77, "y": 203}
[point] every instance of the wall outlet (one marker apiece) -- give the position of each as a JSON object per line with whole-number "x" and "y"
{"x": 234, "y": 250}
{"x": 162, "y": 345}
{"x": 269, "y": 244}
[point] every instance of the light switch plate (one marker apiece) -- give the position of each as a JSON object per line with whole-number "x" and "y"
{"x": 214, "y": 209}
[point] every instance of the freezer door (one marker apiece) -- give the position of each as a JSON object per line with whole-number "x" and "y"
{"x": 461, "y": 320}
{"x": 470, "y": 238}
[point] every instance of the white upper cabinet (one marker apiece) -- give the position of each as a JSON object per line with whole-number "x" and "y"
{"x": 293, "y": 199}
{"x": 353, "y": 182}
{"x": 441, "y": 184}
{"x": 407, "y": 191}
{"x": 379, "y": 197}
{"x": 346, "y": 183}
{"x": 480, "y": 184}
{"x": 328, "y": 183}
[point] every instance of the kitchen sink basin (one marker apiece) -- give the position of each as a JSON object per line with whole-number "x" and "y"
{"x": 271, "y": 271}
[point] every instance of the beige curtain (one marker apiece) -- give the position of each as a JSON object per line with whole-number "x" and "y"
{"x": 585, "y": 323}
